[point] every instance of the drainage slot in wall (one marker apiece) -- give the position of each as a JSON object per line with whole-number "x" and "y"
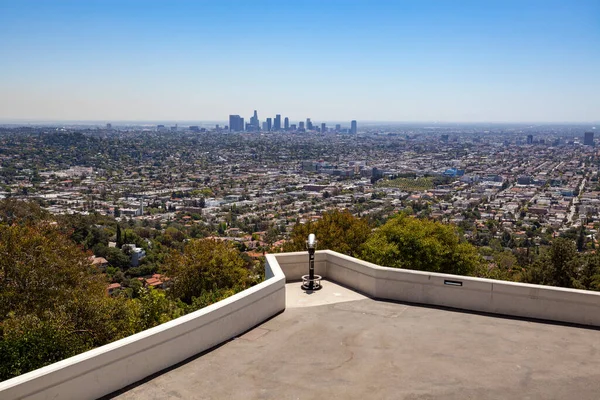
{"x": 453, "y": 283}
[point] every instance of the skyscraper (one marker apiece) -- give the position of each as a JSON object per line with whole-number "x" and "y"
{"x": 269, "y": 124}
{"x": 338, "y": 127}
{"x": 254, "y": 123}
{"x": 301, "y": 125}
{"x": 529, "y": 139}
{"x": 309, "y": 125}
{"x": 353, "y": 127}
{"x": 286, "y": 123}
{"x": 236, "y": 123}
{"x": 323, "y": 128}
{"x": 588, "y": 139}
{"x": 277, "y": 123}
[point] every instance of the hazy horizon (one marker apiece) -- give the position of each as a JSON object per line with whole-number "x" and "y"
{"x": 592, "y": 125}
{"x": 510, "y": 62}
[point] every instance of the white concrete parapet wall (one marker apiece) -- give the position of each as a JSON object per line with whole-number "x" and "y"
{"x": 295, "y": 264}
{"x": 114, "y": 366}
{"x": 467, "y": 293}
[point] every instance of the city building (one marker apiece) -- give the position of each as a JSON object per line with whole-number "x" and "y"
{"x": 309, "y": 125}
{"x": 269, "y": 124}
{"x": 286, "y": 123}
{"x": 301, "y": 125}
{"x": 323, "y": 127}
{"x": 277, "y": 123}
{"x": 136, "y": 254}
{"x": 236, "y": 123}
{"x": 353, "y": 127}
{"x": 588, "y": 139}
{"x": 529, "y": 139}
{"x": 254, "y": 122}
{"x": 338, "y": 128}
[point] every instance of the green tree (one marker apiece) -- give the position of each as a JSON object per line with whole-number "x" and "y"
{"x": 117, "y": 258}
{"x": 52, "y": 302}
{"x": 506, "y": 259}
{"x": 581, "y": 240}
{"x": 271, "y": 236}
{"x": 558, "y": 266}
{"x": 119, "y": 237}
{"x": 205, "y": 265}
{"x": 426, "y": 245}
{"x": 22, "y": 212}
{"x": 155, "y": 308}
{"x": 589, "y": 277}
{"x": 337, "y": 230}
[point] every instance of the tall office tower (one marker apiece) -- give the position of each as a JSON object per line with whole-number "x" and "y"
{"x": 301, "y": 125}
{"x": 588, "y": 139}
{"x": 293, "y": 127}
{"x": 529, "y": 139}
{"x": 269, "y": 124}
{"x": 236, "y": 123}
{"x": 277, "y": 123}
{"x": 264, "y": 125}
{"x": 338, "y": 127}
{"x": 353, "y": 127}
{"x": 309, "y": 125}
{"x": 286, "y": 124}
{"x": 254, "y": 123}
{"x": 323, "y": 128}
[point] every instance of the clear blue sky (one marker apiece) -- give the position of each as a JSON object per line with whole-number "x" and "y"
{"x": 413, "y": 60}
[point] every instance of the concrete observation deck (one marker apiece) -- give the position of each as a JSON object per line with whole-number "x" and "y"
{"x": 339, "y": 344}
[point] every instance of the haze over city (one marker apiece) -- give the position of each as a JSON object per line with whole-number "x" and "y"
{"x": 465, "y": 61}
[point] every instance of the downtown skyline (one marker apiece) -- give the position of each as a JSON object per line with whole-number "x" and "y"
{"x": 238, "y": 123}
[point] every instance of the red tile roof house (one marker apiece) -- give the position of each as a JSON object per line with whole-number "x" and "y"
{"x": 99, "y": 262}
{"x": 113, "y": 287}
{"x": 157, "y": 281}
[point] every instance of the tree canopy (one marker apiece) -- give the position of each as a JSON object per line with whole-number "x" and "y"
{"x": 52, "y": 304}
{"x": 205, "y": 265}
{"x": 426, "y": 245}
{"x": 337, "y": 230}
{"x": 558, "y": 266}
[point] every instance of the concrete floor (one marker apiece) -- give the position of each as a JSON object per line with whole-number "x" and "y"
{"x": 366, "y": 349}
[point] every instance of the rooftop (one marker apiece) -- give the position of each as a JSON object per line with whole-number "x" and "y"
{"x": 337, "y": 343}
